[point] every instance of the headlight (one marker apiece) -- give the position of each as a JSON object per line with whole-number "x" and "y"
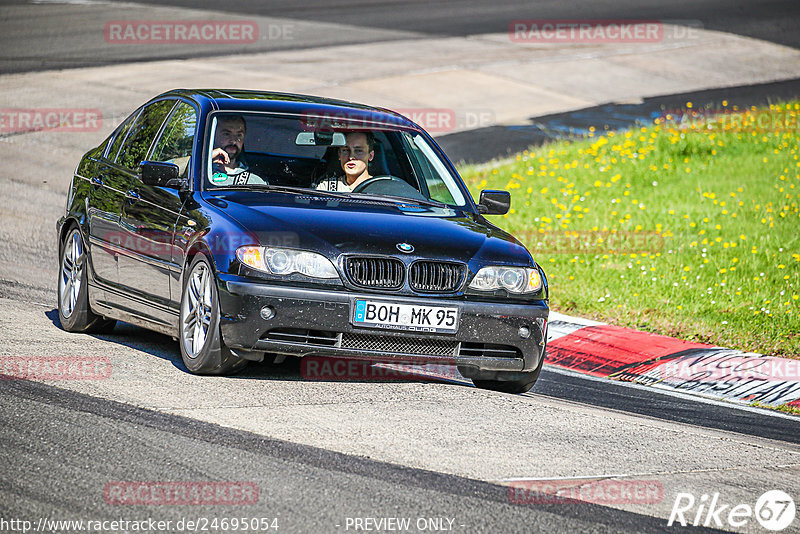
{"x": 286, "y": 261}
{"x": 517, "y": 280}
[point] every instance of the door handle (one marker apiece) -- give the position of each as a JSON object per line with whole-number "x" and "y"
{"x": 97, "y": 181}
{"x": 132, "y": 196}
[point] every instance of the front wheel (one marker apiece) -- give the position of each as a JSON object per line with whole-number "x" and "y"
{"x": 516, "y": 382}
{"x": 520, "y": 385}
{"x": 74, "y": 311}
{"x": 202, "y": 348}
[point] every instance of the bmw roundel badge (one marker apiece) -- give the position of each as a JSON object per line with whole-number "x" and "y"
{"x": 405, "y": 247}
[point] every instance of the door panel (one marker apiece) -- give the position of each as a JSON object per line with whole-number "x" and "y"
{"x": 145, "y": 225}
{"x": 105, "y": 206}
{"x": 148, "y": 222}
{"x": 106, "y": 189}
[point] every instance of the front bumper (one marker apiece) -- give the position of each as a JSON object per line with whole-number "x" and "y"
{"x": 318, "y": 322}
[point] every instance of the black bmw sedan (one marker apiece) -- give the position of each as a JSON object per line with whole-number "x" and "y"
{"x": 251, "y": 224}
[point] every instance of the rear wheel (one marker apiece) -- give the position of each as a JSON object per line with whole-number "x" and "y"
{"x": 202, "y": 348}
{"x": 73, "y": 290}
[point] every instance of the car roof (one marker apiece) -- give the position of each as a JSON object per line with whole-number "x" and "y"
{"x": 247, "y": 100}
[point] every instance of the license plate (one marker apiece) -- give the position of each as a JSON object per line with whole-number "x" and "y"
{"x": 394, "y": 316}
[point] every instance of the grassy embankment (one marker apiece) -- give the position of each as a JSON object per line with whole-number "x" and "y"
{"x": 688, "y": 227}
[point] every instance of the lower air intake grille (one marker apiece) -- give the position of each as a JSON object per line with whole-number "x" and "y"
{"x": 401, "y": 345}
{"x": 302, "y": 337}
{"x": 375, "y": 273}
{"x": 486, "y": 350}
{"x": 436, "y": 276}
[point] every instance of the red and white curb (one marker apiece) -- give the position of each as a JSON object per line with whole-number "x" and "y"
{"x": 606, "y": 351}
{"x": 602, "y": 351}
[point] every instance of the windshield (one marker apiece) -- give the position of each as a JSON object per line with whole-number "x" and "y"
{"x": 254, "y": 150}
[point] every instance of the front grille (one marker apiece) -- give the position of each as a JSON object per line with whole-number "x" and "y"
{"x": 487, "y": 350}
{"x": 375, "y": 273}
{"x": 400, "y": 345}
{"x": 435, "y": 276}
{"x": 302, "y": 337}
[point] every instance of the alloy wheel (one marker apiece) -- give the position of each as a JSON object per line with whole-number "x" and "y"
{"x": 71, "y": 273}
{"x": 196, "y": 310}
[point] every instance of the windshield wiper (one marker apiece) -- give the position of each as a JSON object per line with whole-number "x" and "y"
{"x": 402, "y": 200}
{"x": 242, "y": 187}
{"x": 332, "y": 194}
{"x": 306, "y": 191}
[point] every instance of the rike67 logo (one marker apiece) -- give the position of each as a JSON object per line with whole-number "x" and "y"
{"x": 774, "y": 510}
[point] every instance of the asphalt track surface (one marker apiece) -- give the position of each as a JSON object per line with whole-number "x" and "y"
{"x": 306, "y": 488}
{"x": 769, "y": 20}
{"x": 59, "y": 447}
{"x": 70, "y": 40}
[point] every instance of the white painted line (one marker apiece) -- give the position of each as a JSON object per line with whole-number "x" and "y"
{"x": 577, "y": 477}
{"x": 555, "y": 316}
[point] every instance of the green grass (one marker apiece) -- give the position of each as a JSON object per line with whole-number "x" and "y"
{"x": 785, "y": 408}
{"x": 690, "y": 230}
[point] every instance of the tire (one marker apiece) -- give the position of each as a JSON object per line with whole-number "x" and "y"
{"x": 516, "y": 382}
{"x": 202, "y": 348}
{"x": 74, "y": 311}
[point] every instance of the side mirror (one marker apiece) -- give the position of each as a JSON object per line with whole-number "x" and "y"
{"x": 494, "y": 202}
{"x": 159, "y": 173}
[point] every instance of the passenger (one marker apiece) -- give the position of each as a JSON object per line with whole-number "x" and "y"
{"x": 229, "y": 166}
{"x": 354, "y": 160}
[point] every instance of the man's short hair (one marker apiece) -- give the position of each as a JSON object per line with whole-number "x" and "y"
{"x": 232, "y": 118}
{"x": 368, "y": 134}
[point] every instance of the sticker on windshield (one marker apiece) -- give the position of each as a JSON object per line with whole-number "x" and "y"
{"x": 219, "y": 177}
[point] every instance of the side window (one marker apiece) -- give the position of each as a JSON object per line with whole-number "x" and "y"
{"x": 141, "y": 134}
{"x": 121, "y": 135}
{"x": 441, "y": 185}
{"x": 175, "y": 144}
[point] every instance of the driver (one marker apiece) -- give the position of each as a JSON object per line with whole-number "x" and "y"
{"x": 229, "y": 166}
{"x": 354, "y": 159}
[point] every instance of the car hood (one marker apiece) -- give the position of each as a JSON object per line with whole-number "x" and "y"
{"x": 359, "y": 225}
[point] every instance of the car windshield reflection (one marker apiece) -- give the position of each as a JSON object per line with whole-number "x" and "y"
{"x": 258, "y": 151}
